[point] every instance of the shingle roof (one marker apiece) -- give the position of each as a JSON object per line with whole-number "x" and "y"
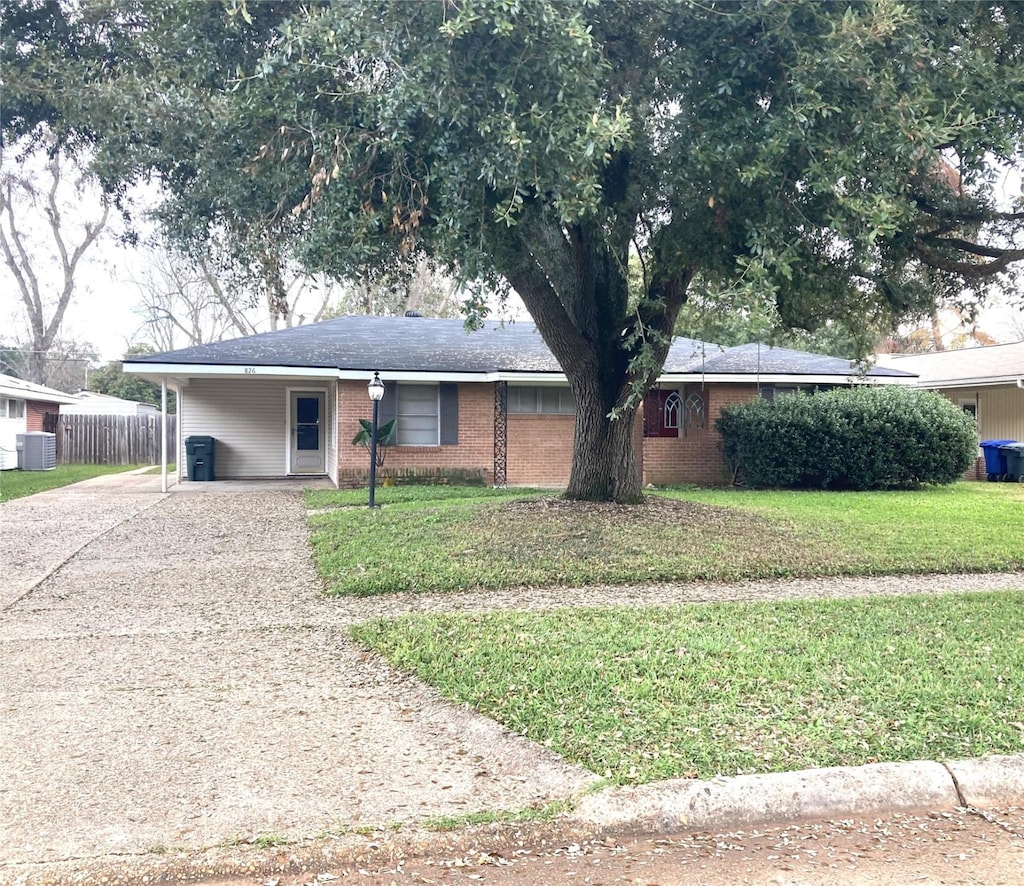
{"x": 397, "y": 344}
{"x": 754, "y": 358}
{"x": 25, "y": 390}
{"x": 422, "y": 344}
{"x": 965, "y": 365}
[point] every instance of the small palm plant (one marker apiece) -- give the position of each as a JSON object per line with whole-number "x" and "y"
{"x": 385, "y": 436}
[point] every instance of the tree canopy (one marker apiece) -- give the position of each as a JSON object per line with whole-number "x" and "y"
{"x": 837, "y": 159}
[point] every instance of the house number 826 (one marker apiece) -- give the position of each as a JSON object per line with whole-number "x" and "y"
{"x": 250, "y": 370}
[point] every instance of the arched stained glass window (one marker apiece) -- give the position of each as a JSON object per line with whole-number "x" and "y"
{"x": 694, "y": 411}
{"x": 671, "y": 410}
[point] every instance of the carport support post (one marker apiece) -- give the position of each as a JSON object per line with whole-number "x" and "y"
{"x": 163, "y": 434}
{"x": 376, "y": 391}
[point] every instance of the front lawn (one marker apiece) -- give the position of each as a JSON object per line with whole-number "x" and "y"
{"x": 428, "y": 539}
{"x": 705, "y": 690}
{"x": 967, "y": 527}
{"x": 16, "y": 484}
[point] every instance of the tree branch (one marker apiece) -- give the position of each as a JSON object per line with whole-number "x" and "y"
{"x": 970, "y": 270}
{"x": 971, "y": 247}
{"x": 21, "y": 266}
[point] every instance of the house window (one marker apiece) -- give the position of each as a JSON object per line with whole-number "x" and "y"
{"x": 770, "y": 392}
{"x": 970, "y": 407}
{"x": 12, "y": 408}
{"x": 662, "y": 414}
{"x": 693, "y": 414}
{"x": 548, "y": 400}
{"x": 424, "y": 415}
{"x": 417, "y": 415}
{"x": 670, "y": 411}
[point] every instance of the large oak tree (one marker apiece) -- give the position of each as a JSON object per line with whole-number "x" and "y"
{"x": 832, "y": 157}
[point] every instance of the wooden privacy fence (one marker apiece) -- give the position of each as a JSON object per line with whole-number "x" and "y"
{"x": 113, "y": 439}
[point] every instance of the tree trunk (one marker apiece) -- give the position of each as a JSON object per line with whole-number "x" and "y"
{"x": 604, "y": 463}
{"x": 576, "y": 289}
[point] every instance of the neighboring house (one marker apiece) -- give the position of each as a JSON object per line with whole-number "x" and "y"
{"x": 492, "y": 405}
{"x": 988, "y": 382}
{"x": 92, "y": 403}
{"x": 23, "y": 408}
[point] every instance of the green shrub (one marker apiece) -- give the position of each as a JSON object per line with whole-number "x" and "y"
{"x": 859, "y": 438}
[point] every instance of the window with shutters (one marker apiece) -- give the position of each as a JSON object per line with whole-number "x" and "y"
{"x": 424, "y": 414}
{"x": 417, "y": 415}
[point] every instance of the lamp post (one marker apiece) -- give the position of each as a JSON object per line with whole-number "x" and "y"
{"x": 376, "y": 391}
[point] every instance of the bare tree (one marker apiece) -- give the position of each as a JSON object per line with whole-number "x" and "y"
{"x": 423, "y": 288}
{"x": 67, "y": 361}
{"x": 182, "y": 304}
{"x": 1016, "y": 325}
{"x": 187, "y": 301}
{"x": 21, "y": 200}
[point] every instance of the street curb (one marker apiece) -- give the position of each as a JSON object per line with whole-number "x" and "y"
{"x": 989, "y": 782}
{"x": 676, "y": 806}
{"x": 773, "y": 798}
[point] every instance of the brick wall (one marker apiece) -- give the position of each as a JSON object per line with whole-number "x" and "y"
{"x": 540, "y": 449}
{"x": 540, "y": 446}
{"x": 696, "y": 456}
{"x": 977, "y": 470}
{"x": 474, "y": 454}
{"x": 35, "y": 413}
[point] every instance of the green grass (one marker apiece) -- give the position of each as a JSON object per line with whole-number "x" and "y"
{"x": 171, "y": 468}
{"x": 547, "y": 812}
{"x": 431, "y": 539}
{"x": 17, "y": 484}
{"x": 704, "y": 690}
{"x": 967, "y": 527}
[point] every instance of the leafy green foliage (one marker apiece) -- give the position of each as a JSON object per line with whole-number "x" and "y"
{"x": 638, "y": 695}
{"x": 365, "y": 435}
{"x": 861, "y": 438}
{"x": 385, "y": 433}
{"x": 738, "y": 315}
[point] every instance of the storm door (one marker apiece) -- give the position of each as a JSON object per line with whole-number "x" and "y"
{"x": 308, "y": 432}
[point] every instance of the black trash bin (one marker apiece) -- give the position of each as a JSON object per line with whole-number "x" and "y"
{"x": 199, "y": 451}
{"x": 1014, "y": 455}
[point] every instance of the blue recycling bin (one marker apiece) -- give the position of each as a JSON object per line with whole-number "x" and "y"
{"x": 995, "y": 458}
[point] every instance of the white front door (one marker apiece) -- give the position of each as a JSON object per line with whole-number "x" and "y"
{"x": 308, "y": 432}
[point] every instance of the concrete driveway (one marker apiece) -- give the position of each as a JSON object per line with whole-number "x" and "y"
{"x": 173, "y": 678}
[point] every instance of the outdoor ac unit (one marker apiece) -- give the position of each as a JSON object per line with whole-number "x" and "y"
{"x": 37, "y": 451}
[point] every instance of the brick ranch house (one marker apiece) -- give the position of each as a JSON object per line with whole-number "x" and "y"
{"x": 490, "y": 405}
{"x": 23, "y": 409}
